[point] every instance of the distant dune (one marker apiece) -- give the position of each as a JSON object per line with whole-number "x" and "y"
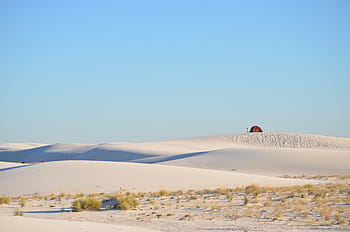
{"x": 269, "y": 161}
{"x": 281, "y": 140}
{"x": 203, "y": 162}
{"x": 257, "y": 153}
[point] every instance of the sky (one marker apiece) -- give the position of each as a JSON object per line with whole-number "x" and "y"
{"x": 133, "y": 71}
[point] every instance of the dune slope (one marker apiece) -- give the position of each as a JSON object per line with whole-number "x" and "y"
{"x": 266, "y": 161}
{"x": 100, "y": 176}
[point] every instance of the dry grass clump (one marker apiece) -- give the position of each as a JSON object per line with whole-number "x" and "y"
{"x": 5, "y": 200}
{"x": 86, "y": 204}
{"x": 163, "y": 193}
{"x": 18, "y": 213}
{"x": 323, "y": 204}
{"x": 254, "y": 189}
{"x": 325, "y": 212}
{"x": 127, "y": 202}
{"x": 319, "y": 177}
{"x": 22, "y": 202}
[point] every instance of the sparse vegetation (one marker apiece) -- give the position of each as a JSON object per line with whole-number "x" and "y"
{"x": 18, "y": 213}
{"x": 5, "y": 200}
{"x": 163, "y": 193}
{"x": 321, "y": 205}
{"x": 22, "y": 202}
{"x": 86, "y": 204}
{"x": 126, "y": 202}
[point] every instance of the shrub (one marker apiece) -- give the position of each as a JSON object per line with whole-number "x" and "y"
{"x": 76, "y": 207}
{"x": 127, "y": 202}
{"x": 23, "y": 202}
{"x": 4, "y": 200}
{"x": 86, "y": 204}
{"x": 18, "y": 213}
{"x": 163, "y": 193}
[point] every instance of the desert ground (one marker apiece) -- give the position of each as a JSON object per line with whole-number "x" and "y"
{"x": 235, "y": 182}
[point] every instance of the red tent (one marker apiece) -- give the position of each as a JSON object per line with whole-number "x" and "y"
{"x": 255, "y": 129}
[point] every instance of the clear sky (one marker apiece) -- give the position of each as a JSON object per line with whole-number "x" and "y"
{"x": 110, "y": 71}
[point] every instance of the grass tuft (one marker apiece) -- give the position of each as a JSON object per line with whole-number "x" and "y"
{"x": 5, "y": 200}
{"x": 127, "y": 202}
{"x": 18, "y": 213}
{"x": 86, "y": 204}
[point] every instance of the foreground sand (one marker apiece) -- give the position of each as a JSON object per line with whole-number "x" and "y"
{"x": 253, "y": 208}
{"x": 19, "y": 224}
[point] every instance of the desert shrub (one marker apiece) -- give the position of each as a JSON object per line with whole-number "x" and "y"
{"x": 163, "y": 193}
{"x": 253, "y": 189}
{"x": 22, "y": 202}
{"x": 86, "y": 204}
{"x": 4, "y": 200}
{"x": 78, "y": 195}
{"x": 18, "y": 213}
{"x": 126, "y": 202}
{"x": 178, "y": 193}
{"x": 76, "y": 206}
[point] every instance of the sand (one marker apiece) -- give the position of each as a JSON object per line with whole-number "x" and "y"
{"x": 20, "y": 224}
{"x": 222, "y": 161}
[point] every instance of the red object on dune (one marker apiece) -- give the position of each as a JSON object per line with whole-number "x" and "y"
{"x": 255, "y": 129}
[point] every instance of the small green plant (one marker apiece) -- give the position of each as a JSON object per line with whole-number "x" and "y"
{"x": 18, "y": 213}
{"x": 126, "y": 202}
{"x": 86, "y": 204}
{"x": 163, "y": 193}
{"x": 76, "y": 206}
{"x": 22, "y": 202}
{"x": 4, "y": 200}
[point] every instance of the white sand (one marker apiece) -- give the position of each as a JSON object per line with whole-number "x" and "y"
{"x": 19, "y": 146}
{"x": 196, "y": 163}
{"x": 99, "y": 176}
{"x": 20, "y": 224}
{"x": 257, "y": 153}
{"x": 8, "y": 165}
{"x": 270, "y": 161}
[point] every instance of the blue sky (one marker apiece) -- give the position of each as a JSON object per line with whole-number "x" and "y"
{"x": 109, "y": 71}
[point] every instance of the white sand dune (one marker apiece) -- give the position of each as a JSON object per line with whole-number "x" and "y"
{"x": 257, "y": 153}
{"x": 100, "y": 176}
{"x": 267, "y": 161}
{"x": 8, "y": 165}
{"x": 281, "y": 140}
{"x": 195, "y": 163}
{"x": 56, "y": 152}
{"x": 19, "y": 146}
{"x": 137, "y": 151}
{"x": 19, "y": 224}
